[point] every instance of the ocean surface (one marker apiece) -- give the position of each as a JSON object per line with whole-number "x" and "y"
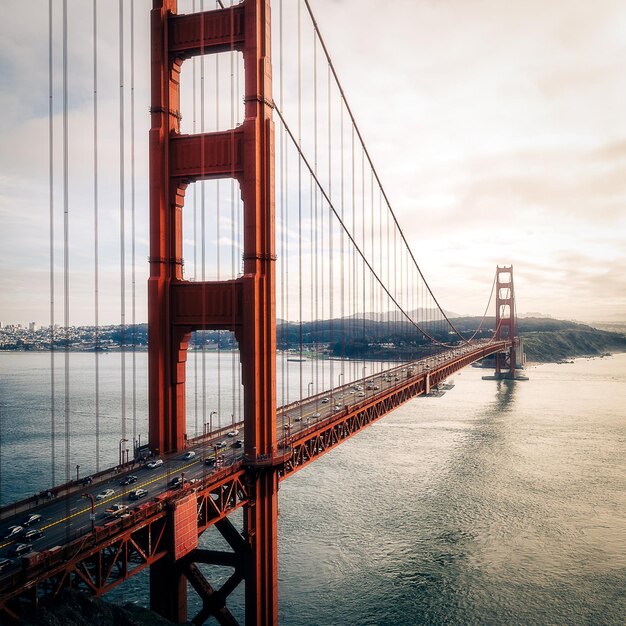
{"x": 498, "y": 503}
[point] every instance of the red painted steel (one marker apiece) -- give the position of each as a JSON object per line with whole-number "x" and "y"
{"x": 185, "y": 526}
{"x": 175, "y": 307}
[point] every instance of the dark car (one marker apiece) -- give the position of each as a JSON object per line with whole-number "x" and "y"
{"x": 33, "y": 533}
{"x": 129, "y": 480}
{"x": 20, "y": 548}
{"x": 138, "y": 493}
{"x": 4, "y": 564}
{"x": 177, "y": 482}
{"x": 238, "y": 443}
{"x": 210, "y": 461}
{"x": 33, "y": 518}
{"x": 86, "y": 481}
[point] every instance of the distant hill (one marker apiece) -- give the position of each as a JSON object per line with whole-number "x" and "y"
{"x": 551, "y": 340}
{"x": 545, "y": 338}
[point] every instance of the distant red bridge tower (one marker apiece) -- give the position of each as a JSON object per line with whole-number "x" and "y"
{"x": 505, "y": 321}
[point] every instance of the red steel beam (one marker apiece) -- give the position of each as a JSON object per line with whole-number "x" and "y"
{"x": 221, "y": 30}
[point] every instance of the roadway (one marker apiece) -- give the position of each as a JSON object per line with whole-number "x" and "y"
{"x": 66, "y": 518}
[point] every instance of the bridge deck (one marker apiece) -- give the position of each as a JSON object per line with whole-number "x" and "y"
{"x": 70, "y": 553}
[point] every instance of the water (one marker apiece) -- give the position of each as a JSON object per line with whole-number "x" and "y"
{"x": 499, "y": 503}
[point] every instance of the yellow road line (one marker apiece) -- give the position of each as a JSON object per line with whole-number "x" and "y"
{"x": 115, "y": 497}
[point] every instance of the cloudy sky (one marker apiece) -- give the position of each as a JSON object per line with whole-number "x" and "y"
{"x": 498, "y": 129}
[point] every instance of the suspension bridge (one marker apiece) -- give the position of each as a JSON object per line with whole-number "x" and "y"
{"x": 269, "y": 224}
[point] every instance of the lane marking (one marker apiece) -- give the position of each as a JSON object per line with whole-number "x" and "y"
{"x": 102, "y": 502}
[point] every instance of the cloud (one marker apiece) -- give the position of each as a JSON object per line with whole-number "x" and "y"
{"x": 498, "y": 131}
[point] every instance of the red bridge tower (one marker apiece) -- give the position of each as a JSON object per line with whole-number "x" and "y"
{"x": 245, "y": 305}
{"x": 505, "y": 321}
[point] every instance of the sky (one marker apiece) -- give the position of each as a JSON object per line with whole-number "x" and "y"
{"x": 497, "y": 128}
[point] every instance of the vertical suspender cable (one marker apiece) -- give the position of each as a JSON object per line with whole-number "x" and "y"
{"x": 314, "y": 227}
{"x": 341, "y": 243}
{"x": 195, "y": 242}
{"x": 122, "y": 229}
{"x": 132, "y": 213}
{"x": 218, "y": 210}
{"x": 234, "y": 214}
{"x": 66, "y": 245}
{"x": 331, "y": 284}
{"x": 96, "y": 251}
{"x": 51, "y": 200}
{"x": 202, "y": 215}
{"x": 300, "y": 196}
{"x": 283, "y": 261}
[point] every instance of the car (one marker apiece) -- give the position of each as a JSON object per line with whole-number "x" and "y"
{"x": 316, "y": 415}
{"x": 287, "y": 426}
{"x": 33, "y": 533}
{"x": 376, "y": 387}
{"x": 210, "y": 461}
{"x": 177, "y": 481}
{"x": 107, "y": 493}
{"x": 5, "y": 564}
{"x": 129, "y": 480}
{"x": 232, "y": 433}
{"x": 297, "y": 418}
{"x": 33, "y": 518}
{"x": 13, "y": 531}
{"x": 154, "y": 464}
{"x": 361, "y": 394}
{"x": 190, "y": 454}
{"x": 222, "y": 444}
{"x": 325, "y": 400}
{"x": 137, "y": 494}
{"x": 20, "y": 548}
{"x": 116, "y": 509}
{"x": 86, "y": 481}
{"x": 238, "y": 443}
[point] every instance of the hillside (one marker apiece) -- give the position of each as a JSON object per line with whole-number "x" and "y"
{"x": 550, "y": 340}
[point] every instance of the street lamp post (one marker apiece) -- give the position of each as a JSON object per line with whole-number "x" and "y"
{"x": 364, "y": 368}
{"x": 122, "y": 440}
{"x": 339, "y": 379}
{"x": 211, "y": 420}
{"x": 309, "y": 388}
{"x": 77, "y": 470}
{"x": 92, "y": 515}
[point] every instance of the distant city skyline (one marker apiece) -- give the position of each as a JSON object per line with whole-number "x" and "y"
{"x": 498, "y": 130}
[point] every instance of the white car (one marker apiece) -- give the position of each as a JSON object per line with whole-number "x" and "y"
{"x": 190, "y": 454}
{"x": 232, "y": 433}
{"x": 116, "y": 510}
{"x": 154, "y": 464}
{"x": 107, "y": 493}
